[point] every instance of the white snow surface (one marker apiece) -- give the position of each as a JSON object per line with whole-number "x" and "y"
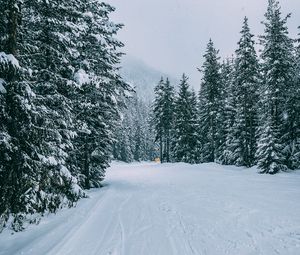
{"x": 2, "y": 88}
{"x": 170, "y": 209}
{"x": 9, "y": 59}
{"x": 81, "y": 77}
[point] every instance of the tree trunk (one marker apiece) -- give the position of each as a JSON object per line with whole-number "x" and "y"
{"x": 13, "y": 28}
{"x": 161, "y": 149}
{"x": 86, "y": 166}
{"x": 168, "y": 147}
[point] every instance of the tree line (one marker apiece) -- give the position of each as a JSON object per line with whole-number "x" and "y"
{"x": 134, "y": 137}
{"x": 60, "y": 100}
{"x": 247, "y": 111}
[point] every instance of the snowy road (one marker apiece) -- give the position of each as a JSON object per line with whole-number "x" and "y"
{"x": 151, "y": 209}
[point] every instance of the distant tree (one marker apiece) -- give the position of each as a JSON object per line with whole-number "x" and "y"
{"x": 228, "y": 111}
{"x": 210, "y": 106}
{"x": 185, "y": 124}
{"x": 135, "y": 137}
{"x": 168, "y": 118}
{"x": 122, "y": 149}
{"x": 163, "y": 117}
{"x": 157, "y": 118}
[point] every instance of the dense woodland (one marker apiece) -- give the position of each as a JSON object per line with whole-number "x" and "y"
{"x": 247, "y": 111}
{"x": 59, "y": 103}
{"x": 134, "y": 137}
{"x": 65, "y": 111}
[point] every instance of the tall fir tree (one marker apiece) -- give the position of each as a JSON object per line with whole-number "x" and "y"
{"x": 293, "y": 151}
{"x": 157, "y": 117}
{"x": 224, "y": 113}
{"x": 210, "y": 106}
{"x": 246, "y": 79}
{"x": 168, "y": 118}
{"x": 277, "y": 70}
{"x": 163, "y": 108}
{"x": 185, "y": 124}
{"x": 228, "y": 111}
{"x": 99, "y": 93}
{"x": 18, "y": 182}
{"x": 50, "y": 29}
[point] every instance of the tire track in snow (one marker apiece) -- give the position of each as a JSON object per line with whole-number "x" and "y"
{"x": 76, "y": 230}
{"x": 176, "y": 221}
{"x": 121, "y": 224}
{"x": 113, "y": 233}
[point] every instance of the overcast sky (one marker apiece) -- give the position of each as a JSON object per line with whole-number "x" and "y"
{"x": 171, "y": 35}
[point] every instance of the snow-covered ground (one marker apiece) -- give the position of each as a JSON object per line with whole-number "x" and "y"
{"x": 152, "y": 209}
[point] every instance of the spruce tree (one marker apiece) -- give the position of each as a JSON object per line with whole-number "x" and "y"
{"x": 210, "y": 106}
{"x": 168, "y": 118}
{"x": 18, "y": 156}
{"x": 99, "y": 93}
{"x": 33, "y": 179}
{"x": 185, "y": 124}
{"x": 224, "y": 112}
{"x": 277, "y": 87}
{"x": 293, "y": 149}
{"x": 50, "y": 30}
{"x": 228, "y": 111}
{"x": 246, "y": 79}
{"x": 163, "y": 109}
{"x": 157, "y": 118}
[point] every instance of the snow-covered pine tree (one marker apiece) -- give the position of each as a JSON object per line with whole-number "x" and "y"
{"x": 293, "y": 125}
{"x": 17, "y": 155}
{"x": 50, "y": 31}
{"x": 163, "y": 116}
{"x": 277, "y": 67}
{"x": 223, "y": 115}
{"x": 135, "y": 138}
{"x": 168, "y": 118}
{"x": 228, "y": 111}
{"x": 137, "y": 130}
{"x": 150, "y": 146}
{"x": 157, "y": 120}
{"x": 246, "y": 85}
{"x": 210, "y": 105}
{"x": 122, "y": 149}
{"x": 26, "y": 185}
{"x": 144, "y": 148}
{"x": 185, "y": 124}
{"x": 99, "y": 93}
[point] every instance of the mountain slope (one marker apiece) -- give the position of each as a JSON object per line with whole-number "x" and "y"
{"x": 142, "y": 77}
